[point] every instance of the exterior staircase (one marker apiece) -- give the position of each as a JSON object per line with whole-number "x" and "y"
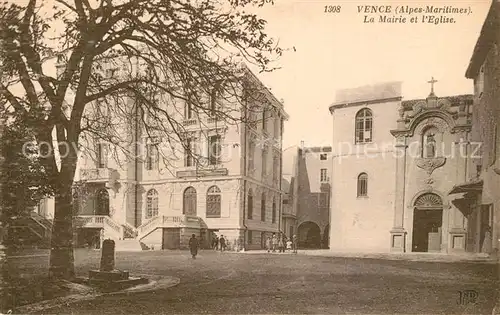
{"x": 31, "y": 230}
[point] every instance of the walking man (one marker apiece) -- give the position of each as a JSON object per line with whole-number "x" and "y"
{"x": 222, "y": 242}
{"x": 193, "y": 246}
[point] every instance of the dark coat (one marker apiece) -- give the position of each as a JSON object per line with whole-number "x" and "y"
{"x": 193, "y": 245}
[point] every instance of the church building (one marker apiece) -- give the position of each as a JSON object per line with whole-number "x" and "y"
{"x": 394, "y": 164}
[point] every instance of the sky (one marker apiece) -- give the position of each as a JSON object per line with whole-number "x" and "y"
{"x": 337, "y": 50}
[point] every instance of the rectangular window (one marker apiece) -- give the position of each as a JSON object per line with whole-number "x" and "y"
{"x": 263, "y": 210}
{"x": 276, "y": 174}
{"x": 152, "y": 156}
{"x": 188, "y": 110}
{"x": 291, "y": 231}
{"x": 214, "y": 149}
{"x": 323, "y": 157}
{"x": 249, "y": 237}
{"x": 250, "y": 156}
{"x": 264, "y": 118}
{"x": 264, "y": 162}
{"x": 277, "y": 123}
{"x": 102, "y": 155}
{"x": 189, "y": 152}
{"x": 323, "y": 175}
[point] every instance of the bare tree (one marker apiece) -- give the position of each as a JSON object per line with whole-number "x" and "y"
{"x": 109, "y": 52}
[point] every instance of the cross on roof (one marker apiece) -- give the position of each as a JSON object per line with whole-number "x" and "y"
{"x": 432, "y": 81}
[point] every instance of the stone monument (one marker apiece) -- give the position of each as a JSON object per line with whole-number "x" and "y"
{"x": 109, "y": 278}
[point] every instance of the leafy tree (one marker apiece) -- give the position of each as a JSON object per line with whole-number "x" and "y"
{"x": 111, "y": 51}
{"x": 25, "y": 181}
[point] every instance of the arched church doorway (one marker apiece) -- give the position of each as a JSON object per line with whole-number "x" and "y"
{"x": 309, "y": 235}
{"x": 326, "y": 237}
{"x": 427, "y": 223}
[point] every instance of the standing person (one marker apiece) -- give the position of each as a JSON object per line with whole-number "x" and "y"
{"x": 268, "y": 244}
{"x": 214, "y": 242}
{"x": 222, "y": 242}
{"x": 280, "y": 244}
{"x": 288, "y": 244}
{"x": 274, "y": 242}
{"x": 294, "y": 243}
{"x": 193, "y": 246}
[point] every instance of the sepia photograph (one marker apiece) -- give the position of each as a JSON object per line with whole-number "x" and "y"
{"x": 249, "y": 157}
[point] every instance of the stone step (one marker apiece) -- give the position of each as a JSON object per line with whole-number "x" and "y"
{"x": 128, "y": 245}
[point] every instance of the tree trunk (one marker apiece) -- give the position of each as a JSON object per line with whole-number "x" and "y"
{"x": 61, "y": 253}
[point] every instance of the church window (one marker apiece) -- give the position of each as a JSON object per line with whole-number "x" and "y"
{"x": 323, "y": 157}
{"x": 151, "y": 204}
{"x": 213, "y": 202}
{"x": 362, "y": 185}
{"x": 323, "y": 175}
{"x": 189, "y": 201}
{"x": 364, "y": 119}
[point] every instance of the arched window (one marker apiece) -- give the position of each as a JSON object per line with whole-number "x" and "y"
{"x": 428, "y": 200}
{"x": 274, "y": 211}
{"x": 263, "y": 208}
{"x": 189, "y": 204}
{"x": 250, "y": 205}
{"x": 364, "y": 119}
{"x": 151, "y": 204}
{"x": 102, "y": 202}
{"x": 213, "y": 202}
{"x": 362, "y": 185}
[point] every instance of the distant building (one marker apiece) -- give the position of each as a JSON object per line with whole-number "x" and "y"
{"x": 479, "y": 193}
{"x": 306, "y": 207}
{"x": 394, "y": 164}
{"x": 159, "y": 194}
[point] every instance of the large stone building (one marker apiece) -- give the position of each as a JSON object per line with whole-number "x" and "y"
{"x": 479, "y": 193}
{"x": 224, "y": 179}
{"x": 394, "y": 164}
{"x": 307, "y": 206}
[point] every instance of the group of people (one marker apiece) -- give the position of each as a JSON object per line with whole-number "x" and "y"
{"x": 275, "y": 243}
{"x": 219, "y": 243}
{"x": 281, "y": 243}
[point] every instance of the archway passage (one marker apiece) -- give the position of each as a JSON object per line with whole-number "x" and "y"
{"x": 309, "y": 235}
{"x": 427, "y": 223}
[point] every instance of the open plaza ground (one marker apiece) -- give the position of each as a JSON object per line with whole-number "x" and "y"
{"x": 261, "y": 283}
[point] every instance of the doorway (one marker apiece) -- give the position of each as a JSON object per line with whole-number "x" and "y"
{"x": 427, "y": 226}
{"x": 171, "y": 238}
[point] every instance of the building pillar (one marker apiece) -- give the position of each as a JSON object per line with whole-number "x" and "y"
{"x": 398, "y": 233}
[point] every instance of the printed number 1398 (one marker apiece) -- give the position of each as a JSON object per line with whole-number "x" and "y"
{"x": 332, "y": 8}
